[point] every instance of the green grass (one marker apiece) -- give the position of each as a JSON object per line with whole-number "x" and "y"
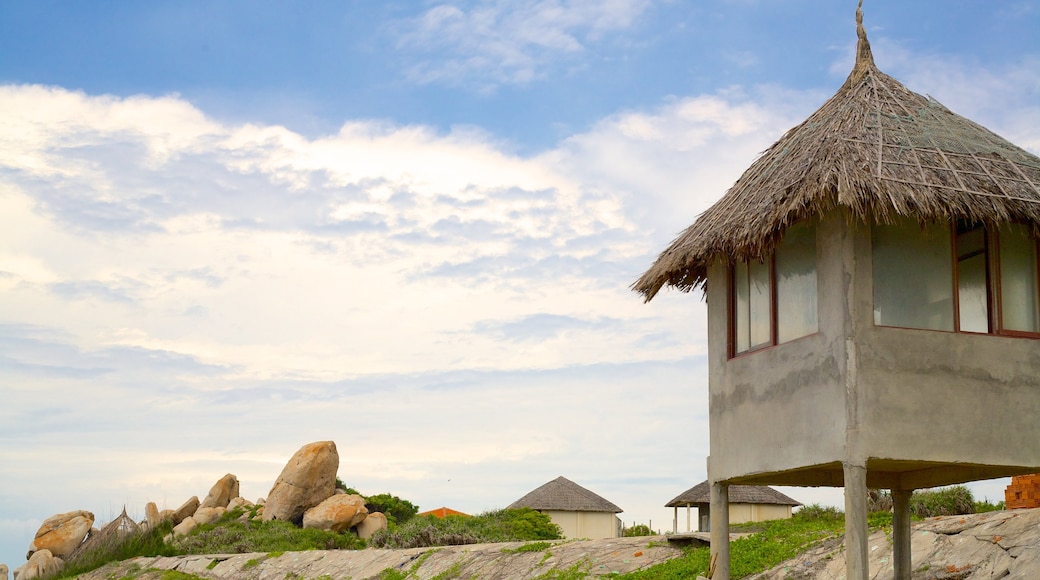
{"x": 507, "y": 525}
{"x": 528, "y": 547}
{"x": 234, "y": 537}
{"x": 772, "y": 543}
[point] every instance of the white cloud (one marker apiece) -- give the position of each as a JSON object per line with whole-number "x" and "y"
{"x": 184, "y": 298}
{"x": 499, "y": 41}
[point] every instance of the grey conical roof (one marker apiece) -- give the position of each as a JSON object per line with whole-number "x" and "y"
{"x": 562, "y": 494}
{"x": 759, "y": 494}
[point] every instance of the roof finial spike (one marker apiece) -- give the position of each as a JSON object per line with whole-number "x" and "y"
{"x": 864, "y": 58}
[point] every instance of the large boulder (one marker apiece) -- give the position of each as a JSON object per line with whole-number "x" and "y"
{"x": 151, "y": 515}
{"x": 186, "y": 510}
{"x": 3, "y": 571}
{"x": 185, "y": 527}
{"x": 337, "y": 513}
{"x": 374, "y": 522}
{"x": 307, "y": 480}
{"x": 223, "y": 491}
{"x": 208, "y": 515}
{"x": 41, "y": 563}
{"x": 62, "y": 533}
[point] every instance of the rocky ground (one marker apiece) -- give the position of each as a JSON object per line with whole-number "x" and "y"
{"x": 990, "y": 545}
{"x": 500, "y": 561}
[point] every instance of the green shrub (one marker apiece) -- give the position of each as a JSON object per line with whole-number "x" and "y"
{"x": 397, "y": 511}
{"x": 985, "y": 506}
{"x": 944, "y": 501}
{"x": 638, "y": 530}
{"x": 818, "y": 512}
{"x": 505, "y": 525}
{"x": 235, "y": 537}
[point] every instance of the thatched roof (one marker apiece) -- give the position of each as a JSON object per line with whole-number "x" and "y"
{"x": 562, "y": 494}
{"x": 876, "y": 148}
{"x": 105, "y": 539}
{"x": 758, "y": 494}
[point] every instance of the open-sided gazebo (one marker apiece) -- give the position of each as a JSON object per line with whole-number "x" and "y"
{"x": 873, "y": 307}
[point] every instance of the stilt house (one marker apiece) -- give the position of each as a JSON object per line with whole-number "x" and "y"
{"x": 873, "y": 307}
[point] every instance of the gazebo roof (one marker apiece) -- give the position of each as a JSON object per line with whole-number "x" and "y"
{"x": 876, "y": 148}
{"x": 757, "y": 494}
{"x": 562, "y": 494}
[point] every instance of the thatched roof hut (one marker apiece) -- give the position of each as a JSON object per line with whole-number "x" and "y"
{"x": 876, "y": 148}
{"x": 750, "y": 494}
{"x": 562, "y": 494}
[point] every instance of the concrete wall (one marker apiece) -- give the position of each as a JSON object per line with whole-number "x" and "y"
{"x": 740, "y": 513}
{"x": 917, "y": 407}
{"x": 591, "y": 525}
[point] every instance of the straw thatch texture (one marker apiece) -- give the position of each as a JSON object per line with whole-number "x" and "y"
{"x": 108, "y": 537}
{"x": 756, "y": 494}
{"x": 562, "y": 494}
{"x": 876, "y": 148}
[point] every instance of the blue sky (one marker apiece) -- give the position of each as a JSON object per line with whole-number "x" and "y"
{"x": 227, "y": 230}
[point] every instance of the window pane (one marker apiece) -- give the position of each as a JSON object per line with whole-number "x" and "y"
{"x": 971, "y": 281}
{"x": 742, "y": 312}
{"x": 913, "y": 275}
{"x": 1018, "y": 280}
{"x": 758, "y": 275}
{"x": 796, "y": 284}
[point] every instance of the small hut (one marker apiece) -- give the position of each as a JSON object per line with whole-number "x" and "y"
{"x": 873, "y": 290}
{"x": 747, "y": 503}
{"x": 579, "y": 512}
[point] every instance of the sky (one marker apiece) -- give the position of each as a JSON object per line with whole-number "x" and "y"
{"x": 410, "y": 227}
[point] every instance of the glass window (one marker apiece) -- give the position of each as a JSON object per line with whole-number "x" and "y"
{"x": 1018, "y": 280}
{"x": 972, "y": 280}
{"x": 913, "y": 275}
{"x": 780, "y": 289}
{"x": 796, "y": 284}
{"x": 752, "y": 300}
{"x": 923, "y": 275}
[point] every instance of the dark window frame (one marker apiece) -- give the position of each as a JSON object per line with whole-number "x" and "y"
{"x": 994, "y": 291}
{"x": 731, "y": 309}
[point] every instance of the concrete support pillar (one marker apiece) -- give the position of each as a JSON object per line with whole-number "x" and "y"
{"x": 856, "y": 554}
{"x": 901, "y": 533}
{"x": 719, "y": 531}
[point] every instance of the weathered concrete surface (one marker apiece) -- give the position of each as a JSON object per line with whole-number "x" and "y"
{"x": 991, "y": 545}
{"x": 497, "y": 561}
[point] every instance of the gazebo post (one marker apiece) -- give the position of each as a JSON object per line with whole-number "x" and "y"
{"x": 856, "y": 567}
{"x": 719, "y": 531}
{"x": 901, "y": 533}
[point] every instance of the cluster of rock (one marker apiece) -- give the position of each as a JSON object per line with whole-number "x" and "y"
{"x": 305, "y": 494}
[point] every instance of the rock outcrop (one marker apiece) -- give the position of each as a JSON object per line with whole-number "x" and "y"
{"x": 207, "y": 515}
{"x": 60, "y": 534}
{"x": 337, "y": 513}
{"x": 41, "y": 563}
{"x": 372, "y": 523}
{"x": 307, "y": 479}
{"x": 1004, "y": 544}
{"x": 187, "y": 509}
{"x": 222, "y": 492}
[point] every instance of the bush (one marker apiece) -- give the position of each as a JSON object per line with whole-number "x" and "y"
{"x": 985, "y": 506}
{"x": 638, "y": 530}
{"x": 818, "y": 512}
{"x": 505, "y": 525}
{"x": 236, "y": 537}
{"x": 945, "y": 501}
{"x": 397, "y": 511}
